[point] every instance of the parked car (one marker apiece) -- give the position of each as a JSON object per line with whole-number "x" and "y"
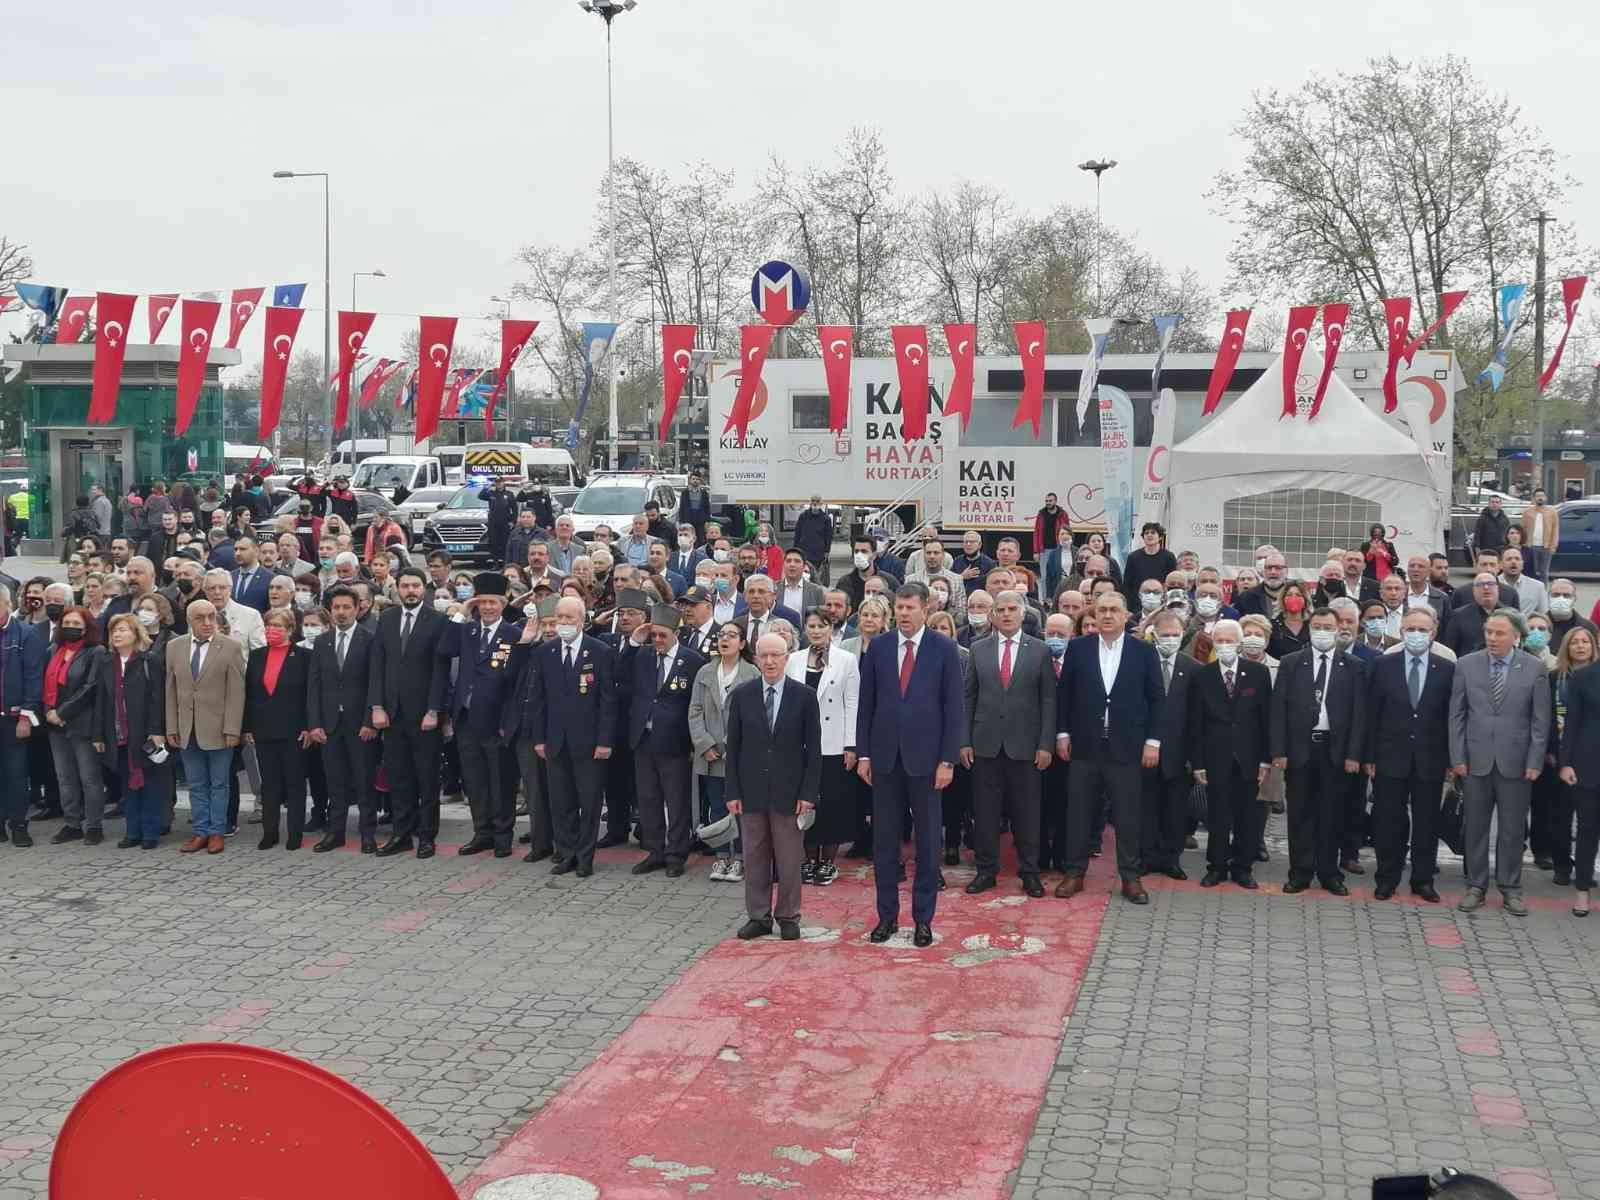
{"x": 460, "y": 526}
{"x": 420, "y": 505}
{"x": 367, "y": 505}
{"x": 614, "y": 498}
{"x": 1578, "y": 547}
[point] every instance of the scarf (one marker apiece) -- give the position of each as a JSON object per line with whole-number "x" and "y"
{"x": 275, "y": 657}
{"x": 55, "y": 676}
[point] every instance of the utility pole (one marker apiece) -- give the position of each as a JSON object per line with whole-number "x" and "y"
{"x": 1538, "y": 353}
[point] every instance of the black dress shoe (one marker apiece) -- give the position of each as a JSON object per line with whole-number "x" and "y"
{"x": 1177, "y": 873}
{"x": 1262, "y": 855}
{"x": 1032, "y": 885}
{"x": 292, "y": 842}
{"x": 425, "y": 850}
{"x": 923, "y": 937}
{"x": 93, "y": 837}
{"x": 753, "y": 929}
{"x": 648, "y": 865}
{"x": 1382, "y": 893}
{"x": 1212, "y": 878}
{"x": 476, "y": 846}
{"x": 1427, "y": 891}
{"x": 1560, "y": 878}
{"x": 612, "y": 839}
{"x": 952, "y": 857}
{"x": 561, "y": 868}
{"x": 20, "y": 837}
{"x": 524, "y": 839}
{"x": 267, "y": 842}
{"x": 674, "y": 870}
{"x": 539, "y": 855}
{"x": 316, "y": 825}
{"x": 789, "y": 931}
{"x": 127, "y": 843}
{"x": 1294, "y": 887}
{"x": 67, "y": 833}
{"x": 502, "y": 851}
{"x": 1352, "y": 866}
{"x": 882, "y": 932}
{"x": 584, "y": 870}
{"x": 982, "y": 884}
{"x": 369, "y": 845}
{"x": 1246, "y": 880}
{"x": 1543, "y": 861}
{"x": 394, "y": 846}
{"x": 1336, "y": 888}
{"x": 330, "y": 841}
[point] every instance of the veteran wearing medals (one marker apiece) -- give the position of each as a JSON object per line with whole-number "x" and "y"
{"x": 658, "y": 731}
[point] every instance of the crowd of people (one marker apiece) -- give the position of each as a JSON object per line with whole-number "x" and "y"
{"x": 724, "y": 696}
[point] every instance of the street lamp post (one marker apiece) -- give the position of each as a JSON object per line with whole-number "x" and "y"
{"x": 608, "y": 11}
{"x": 327, "y": 294}
{"x": 355, "y": 412}
{"x": 503, "y": 384}
{"x": 1099, "y": 166}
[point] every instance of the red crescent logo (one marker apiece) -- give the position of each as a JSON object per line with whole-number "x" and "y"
{"x": 1156, "y": 453}
{"x": 1439, "y": 398}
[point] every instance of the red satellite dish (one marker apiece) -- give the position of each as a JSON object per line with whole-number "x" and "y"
{"x": 198, "y": 1121}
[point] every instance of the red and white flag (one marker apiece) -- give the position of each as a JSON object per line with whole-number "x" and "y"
{"x": 838, "y": 343}
{"x": 1448, "y": 303}
{"x": 382, "y": 371}
{"x": 1295, "y": 338}
{"x": 1397, "y": 319}
{"x": 353, "y": 330}
{"x": 963, "y": 343}
{"x": 435, "y": 337}
{"x": 73, "y": 319}
{"x": 1571, "y": 293}
{"x": 514, "y": 338}
{"x": 278, "y": 344}
{"x": 460, "y": 379}
{"x": 198, "y": 324}
{"x": 240, "y": 309}
{"x": 754, "y": 342}
{"x": 911, "y": 361}
{"x": 1333, "y": 318}
{"x": 110, "y": 345}
{"x": 1227, "y": 358}
{"x": 1031, "y": 346}
{"x": 157, "y": 310}
{"x": 677, "y": 354}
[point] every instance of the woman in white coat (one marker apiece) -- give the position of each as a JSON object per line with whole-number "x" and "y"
{"x": 833, "y": 675}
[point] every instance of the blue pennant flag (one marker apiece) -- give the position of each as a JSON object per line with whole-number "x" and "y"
{"x": 1164, "y": 330}
{"x": 596, "y": 344}
{"x": 288, "y": 295}
{"x": 1510, "y": 300}
{"x": 43, "y": 299}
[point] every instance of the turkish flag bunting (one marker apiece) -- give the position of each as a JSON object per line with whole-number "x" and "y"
{"x": 110, "y": 344}
{"x": 1295, "y": 338}
{"x": 157, "y": 310}
{"x": 459, "y": 379}
{"x": 72, "y": 319}
{"x": 838, "y": 344}
{"x": 754, "y": 342}
{"x": 1031, "y": 346}
{"x": 282, "y": 324}
{"x": 1227, "y": 356}
{"x": 1571, "y": 293}
{"x": 514, "y": 338}
{"x": 911, "y": 360}
{"x": 198, "y": 323}
{"x": 1333, "y": 318}
{"x": 1448, "y": 303}
{"x": 963, "y": 343}
{"x": 382, "y": 371}
{"x": 435, "y": 337}
{"x": 1397, "y": 317}
{"x": 353, "y": 330}
{"x": 240, "y": 308}
{"x": 5, "y": 302}
{"x": 677, "y": 344}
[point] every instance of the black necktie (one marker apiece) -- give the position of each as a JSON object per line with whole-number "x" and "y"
{"x": 1321, "y": 680}
{"x": 405, "y": 627}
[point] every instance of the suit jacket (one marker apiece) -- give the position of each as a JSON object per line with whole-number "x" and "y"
{"x": 210, "y": 708}
{"x": 1223, "y": 730}
{"x": 1294, "y": 707}
{"x": 1580, "y": 734}
{"x": 926, "y": 726}
{"x": 1401, "y": 740}
{"x": 838, "y": 697}
{"x": 575, "y": 709}
{"x": 1461, "y": 597}
{"x": 1135, "y": 701}
{"x": 683, "y": 562}
{"x": 143, "y": 697}
{"x": 1174, "y": 727}
{"x": 409, "y": 682}
{"x": 773, "y": 770}
{"x": 281, "y": 716}
{"x": 663, "y": 707}
{"x": 777, "y": 612}
{"x": 336, "y": 700}
{"x": 244, "y": 626}
{"x": 1510, "y": 739}
{"x": 487, "y": 674}
{"x": 811, "y": 596}
{"x": 1015, "y": 721}
{"x": 255, "y": 594}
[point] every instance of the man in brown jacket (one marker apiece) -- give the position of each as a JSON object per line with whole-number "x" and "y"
{"x": 205, "y": 707}
{"x": 1541, "y": 532}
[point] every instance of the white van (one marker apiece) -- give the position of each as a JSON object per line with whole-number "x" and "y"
{"x": 450, "y": 460}
{"x": 551, "y": 466}
{"x": 388, "y": 473}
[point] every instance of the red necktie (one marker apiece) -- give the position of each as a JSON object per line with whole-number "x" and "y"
{"x": 906, "y": 667}
{"x": 1005, "y": 664}
{"x": 1056, "y": 662}
{"x": 1227, "y": 682}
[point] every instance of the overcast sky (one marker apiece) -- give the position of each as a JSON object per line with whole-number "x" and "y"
{"x": 143, "y": 138}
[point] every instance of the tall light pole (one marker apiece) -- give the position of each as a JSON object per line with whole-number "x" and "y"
{"x": 327, "y": 298}
{"x": 608, "y": 11}
{"x": 1099, "y": 166}
{"x": 355, "y": 413}
{"x": 504, "y": 385}
{"x": 1542, "y": 219}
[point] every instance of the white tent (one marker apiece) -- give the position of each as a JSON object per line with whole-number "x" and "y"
{"x": 1250, "y": 475}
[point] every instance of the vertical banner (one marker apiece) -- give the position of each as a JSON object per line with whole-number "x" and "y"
{"x": 1031, "y": 346}
{"x": 838, "y": 343}
{"x": 157, "y": 310}
{"x": 1334, "y": 317}
{"x": 110, "y": 345}
{"x": 288, "y": 295}
{"x": 1397, "y": 318}
{"x": 963, "y": 343}
{"x": 278, "y": 344}
{"x": 514, "y": 338}
{"x": 1448, "y": 303}
{"x": 1165, "y": 327}
{"x": 1227, "y": 357}
{"x": 596, "y": 339}
{"x": 1509, "y": 299}
{"x": 1571, "y": 293}
{"x": 754, "y": 342}
{"x": 1099, "y": 337}
{"x": 677, "y": 355}
{"x": 1116, "y": 462}
{"x": 73, "y": 320}
{"x": 1154, "y": 489}
{"x": 435, "y": 336}
{"x": 198, "y": 323}
{"x": 353, "y": 330}
{"x": 911, "y": 361}
{"x": 1295, "y": 338}
{"x": 240, "y": 308}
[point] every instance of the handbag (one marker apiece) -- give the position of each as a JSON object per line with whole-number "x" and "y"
{"x": 1450, "y": 831}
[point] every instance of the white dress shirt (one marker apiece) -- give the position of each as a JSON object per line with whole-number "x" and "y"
{"x": 794, "y": 598}
{"x": 1110, "y": 661}
{"x": 1015, "y": 642}
{"x": 722, "y": 611}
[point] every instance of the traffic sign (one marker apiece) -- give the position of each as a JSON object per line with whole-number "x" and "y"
{"x": 780, "y": 292}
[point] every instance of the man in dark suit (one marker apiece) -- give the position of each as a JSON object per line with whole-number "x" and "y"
{"x": 1505, "y": 596}
{"x": 407, "y": 694}
{"x": 569, "y": 716}
{"x": 774, "y": 768}
{"x": 1229, "y": 731}
{"x": 621, "y": 780}
{"x": 489, "y": 653}
{"x": 1407, "y": 754}
{"x": 337, "y": 710}
{"x": 1011, "y": 699}
{"x": 250, "y": 579}
{"x": 1317, "y": 730}
{"x": 1464, "y": 630}
{"x": 1163, "y": 819}
{"x": 658, "y": 731}
{"x": 910, "y": 724}
{"x": 1108, "y": 714}
{"x": 761, "y": 597}
{"x": 685, "y": 559}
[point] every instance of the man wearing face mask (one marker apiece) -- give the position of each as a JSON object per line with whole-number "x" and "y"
{"x": 686, "y": 558}
{"x": 1229, "y": 731}
{"x": 730, "y": 604}
{"x": 864, "y": 565}
{"x": 1053, "y": 785}
{"x": 813, "y": 537}
{"x": 1563, "y": 613}
{"x": 1151, "y": 596}
{"x": 1317, "y": 730}
{"x": 1166, "y": 785}
{"x": 980, "y": 608}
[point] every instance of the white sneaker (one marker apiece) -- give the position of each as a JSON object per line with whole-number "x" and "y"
{"x": 719, "y": 870}
{"x": 735, "y": 872}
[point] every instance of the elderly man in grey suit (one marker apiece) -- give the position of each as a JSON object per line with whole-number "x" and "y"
{"x": 1499, "y": 723}
{"x": 1011, "y": 733}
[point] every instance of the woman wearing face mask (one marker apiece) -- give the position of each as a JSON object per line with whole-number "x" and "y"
{"x": 708, "y": 728}
{"x": 71, "y": 675}
{"x": 1292, "y": 630}
{"x": 769, "y": 553}
{"x": 834, "y": 676}
{"x": 1256, "y": 636}
{"x": 1576, "y": 687}
{"x": 275, "y": 724}
{"x": 129, "y": 727}
{"x": 307, "y": 592}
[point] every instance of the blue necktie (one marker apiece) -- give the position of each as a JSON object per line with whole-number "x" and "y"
{"x": 772, "y": 708}
{"x": 1497, "y": 683}
{"x": 1416, "y": 681}
{"x": 194, "y": 660}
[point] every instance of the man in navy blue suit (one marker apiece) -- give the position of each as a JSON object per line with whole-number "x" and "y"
{"x": 658, "y": 731}
{"x": 1108, "y": 708}
{"x": 250, "y": 579}
{"x": 910, "y": 723}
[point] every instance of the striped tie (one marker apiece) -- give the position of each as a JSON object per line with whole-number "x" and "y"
{"x": 1497, "y": 683}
